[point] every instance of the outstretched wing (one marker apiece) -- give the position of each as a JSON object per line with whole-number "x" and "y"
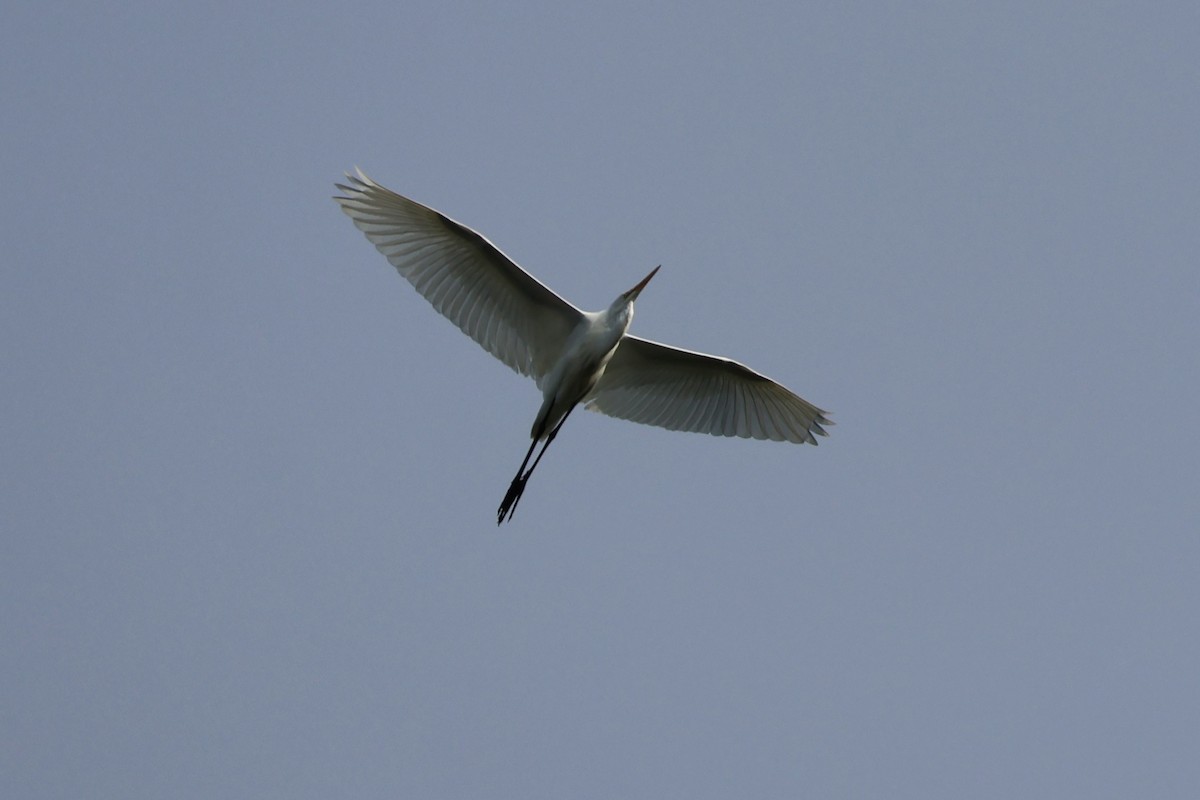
{"x": 682, "y": 390}
{"x": 467, "y": 279}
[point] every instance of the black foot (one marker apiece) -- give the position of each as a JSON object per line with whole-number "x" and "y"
{"x": 511, "y": 498}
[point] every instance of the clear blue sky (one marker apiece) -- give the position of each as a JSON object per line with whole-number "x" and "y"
{"x": 249, "y": 477}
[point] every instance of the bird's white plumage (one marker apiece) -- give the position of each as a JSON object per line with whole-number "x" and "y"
{"x": 682, "y": 390}
{"x": 574, "y": 356}
{"x": 467, "y": 279}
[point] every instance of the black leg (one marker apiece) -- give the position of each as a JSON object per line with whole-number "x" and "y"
{"x": 515, "y": 489}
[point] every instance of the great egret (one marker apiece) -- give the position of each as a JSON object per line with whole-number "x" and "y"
{"x": 574, "y": 356}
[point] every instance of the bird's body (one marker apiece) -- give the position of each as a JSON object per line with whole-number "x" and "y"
{"x": 574, "y": 356}
{"x": 586, "y": 353}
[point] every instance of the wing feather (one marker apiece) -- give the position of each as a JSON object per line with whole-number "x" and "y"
{"x": 677, "y": 389}
{"x": 465, "y": 277}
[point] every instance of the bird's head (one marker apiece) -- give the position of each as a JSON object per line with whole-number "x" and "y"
{"x": 620, "y": 313}
{"x": 633, "y": 293}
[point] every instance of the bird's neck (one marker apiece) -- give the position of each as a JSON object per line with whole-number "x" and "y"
{"x": 619, "y": 314}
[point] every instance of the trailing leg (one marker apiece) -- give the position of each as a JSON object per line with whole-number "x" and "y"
{"x": 508, "y": 506}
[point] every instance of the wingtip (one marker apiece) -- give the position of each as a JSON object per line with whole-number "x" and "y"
{"x": 356, "y": 183}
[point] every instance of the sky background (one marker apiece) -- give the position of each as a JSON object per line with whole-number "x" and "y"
{"x": 249, "y": 476}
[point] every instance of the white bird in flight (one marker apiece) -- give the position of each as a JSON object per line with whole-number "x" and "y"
{"x": 574, "y": 356}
